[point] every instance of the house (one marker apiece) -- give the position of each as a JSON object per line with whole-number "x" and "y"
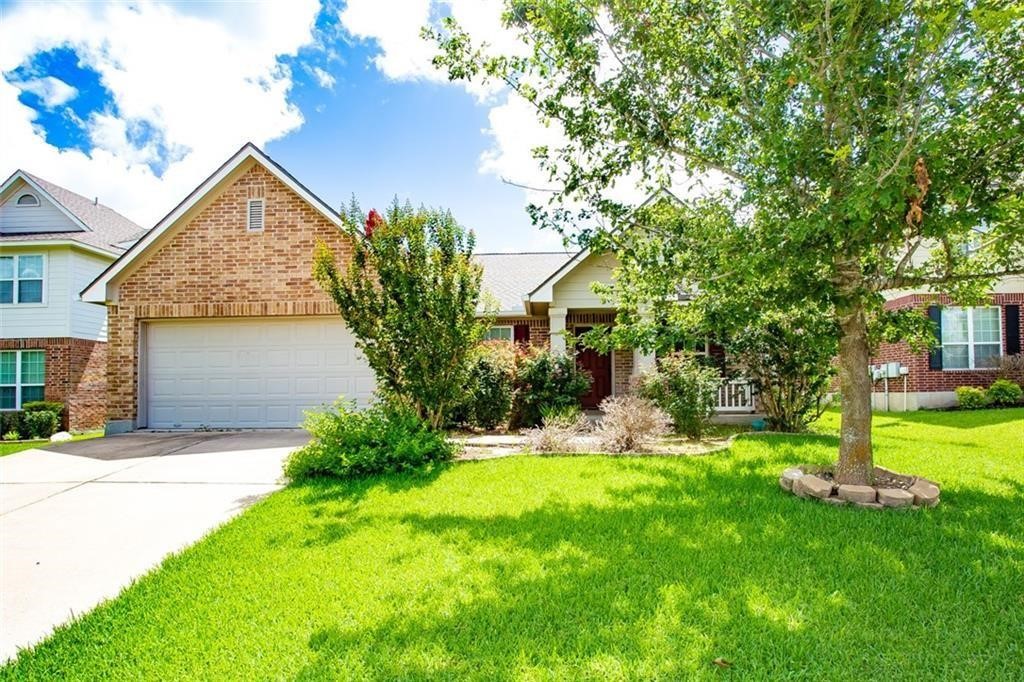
{"x": 973, "y": 341}
{"x": 215, "y": 321}
{"x": 52, "y": 345}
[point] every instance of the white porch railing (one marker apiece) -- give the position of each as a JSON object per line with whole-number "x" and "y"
{"x": 736, "y": 395}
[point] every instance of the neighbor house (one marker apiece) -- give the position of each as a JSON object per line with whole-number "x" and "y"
{"x": 973, "y": 342}
{"x": 215, "y": 321}
{"x": 53, "y": 242}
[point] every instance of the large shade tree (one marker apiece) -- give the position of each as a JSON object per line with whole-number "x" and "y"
{"x": 853, "y": 147}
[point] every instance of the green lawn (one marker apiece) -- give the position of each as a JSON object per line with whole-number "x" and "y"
{"x": 10, "y": 447}
{"x": 599, "y": 568}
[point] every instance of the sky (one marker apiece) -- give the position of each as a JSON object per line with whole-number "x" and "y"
{"x": 137, "y": 102}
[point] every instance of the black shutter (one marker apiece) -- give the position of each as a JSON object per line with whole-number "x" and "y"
{"x": 935, "y": 356}
{"x": 1012, "y": 329}
{"x": 521, "y": 333}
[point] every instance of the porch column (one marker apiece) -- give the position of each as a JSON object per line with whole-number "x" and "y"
{"x": 642, "y": 361}
{"x": 556, "y": 317}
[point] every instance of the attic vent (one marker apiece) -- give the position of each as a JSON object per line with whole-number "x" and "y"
{"x": 255, "y": 216}
{"x": 28, "y": 200}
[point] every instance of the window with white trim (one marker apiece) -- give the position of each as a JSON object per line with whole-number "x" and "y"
{"x": 499, "y": 333}
{"x": 21, "y": 278}
{"x": 972, "y": 338}
{"x": 28, "y": 200}
{"x": 22, "y": 377}
{"x": 254, "y": 215}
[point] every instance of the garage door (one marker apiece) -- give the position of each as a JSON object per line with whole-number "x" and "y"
{"x": 248, "y": 373}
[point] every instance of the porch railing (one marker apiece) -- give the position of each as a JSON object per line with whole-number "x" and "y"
{"x": 736, "y": 395}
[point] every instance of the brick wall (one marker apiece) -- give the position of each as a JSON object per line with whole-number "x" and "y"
{"x": 75, "y": 375}
{"x": 540, "y": 328}
{"x": 923, "y": 379}
{"x": 213, "y": 267}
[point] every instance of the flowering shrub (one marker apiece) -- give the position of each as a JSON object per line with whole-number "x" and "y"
{"x": 685, "y": 389}
{"x": 544, "y": 381}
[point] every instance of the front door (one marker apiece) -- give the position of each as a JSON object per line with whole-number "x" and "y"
{"x": 599, "y": 365}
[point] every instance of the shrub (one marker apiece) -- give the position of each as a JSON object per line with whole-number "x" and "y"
{"x": 1003, "y": 392}
{"x": 545, "y": 381}
{"x": 489, "y": 387}
{"x": 44, "y": 406}
{"x": 387, "y": 437}
{"x": 13, "y": 422}
{"x": 12, "y": 435}
{"x": 970, "y": 398}
{"x": 41, "y": 424}
{"x": 558, "y": 430}
{"x": 631, "y": 423}
{"x": 685, "y": 389}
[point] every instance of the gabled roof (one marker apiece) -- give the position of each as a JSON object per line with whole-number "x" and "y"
{"x": 509, "y": 277}
{"x": 101, "y": 226}
{"x": 97, "y": 292}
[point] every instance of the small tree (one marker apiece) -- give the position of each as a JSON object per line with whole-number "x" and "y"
{"x": 410, "y": 295}
{"x": 852, "y": 147}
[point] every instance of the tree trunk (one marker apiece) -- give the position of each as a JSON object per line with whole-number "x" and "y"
{"x": 855, "y": 463}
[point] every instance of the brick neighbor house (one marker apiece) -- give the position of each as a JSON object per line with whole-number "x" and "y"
{"x": 973, "y": 342}
{"x": 52, "y": 345}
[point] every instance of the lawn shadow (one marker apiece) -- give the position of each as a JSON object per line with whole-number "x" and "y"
{"x": 706, "y": 558}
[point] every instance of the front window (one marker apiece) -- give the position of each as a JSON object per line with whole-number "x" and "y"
{"x": 22, "y": 377}
{"x": 499, "y": 333}
{"x": 21, "y": 279}
{"x": 971, "y": 337}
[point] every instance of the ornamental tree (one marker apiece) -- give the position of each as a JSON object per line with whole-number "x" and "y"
{"x": 409, "y": 295}
{"x": 833, "y": 150}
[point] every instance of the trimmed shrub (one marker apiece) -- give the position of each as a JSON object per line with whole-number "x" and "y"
{"x": 971, "y": 398}
{"x": 685, "y": 389}
{"x": 44, "y": 406}
{"x": 558, "y": 430}
{"x": 631, "y": 423}
{"x": 13, "y": 422}
{"x": 1003, "y": 392}
{"x": 544, "y": 381}
{"x": 386, "y": 437}
{"x": 489, "y": 387}
{"x": 41, "y": 424}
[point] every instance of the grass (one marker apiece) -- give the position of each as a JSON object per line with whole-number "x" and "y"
{"x": 595, "y": 568}
{"x": 10, "y": 447}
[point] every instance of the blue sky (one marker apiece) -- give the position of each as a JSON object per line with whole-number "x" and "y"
{"x": 136, "y": 103}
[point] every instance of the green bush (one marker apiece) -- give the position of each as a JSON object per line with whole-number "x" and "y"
{"x": 971, "y": 398}
{"x": 1003, "y": 392}
{"x": 489, "y": 388}
{"x": 13, "y": 422}
{"x": 41, "y": 424}
{"x": 545, "y": 381}
{"x": 11, "y": 435}
{"x": 44, "y": 406}
{"x": 685, "y": 389}
{"x": 350, "y": 442}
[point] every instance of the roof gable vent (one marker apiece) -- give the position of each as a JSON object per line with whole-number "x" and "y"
{"x": 254, "y": 220}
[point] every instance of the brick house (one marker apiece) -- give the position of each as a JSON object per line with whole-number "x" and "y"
{"x": 52, "y": 345}
{"x": 973, "y": 341}
{"x": 215, "y": 321}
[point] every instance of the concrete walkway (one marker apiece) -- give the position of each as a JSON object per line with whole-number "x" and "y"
{"x": 79, "y": 521}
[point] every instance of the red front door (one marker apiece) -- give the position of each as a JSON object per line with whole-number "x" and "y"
{"x": 599, "y": 365}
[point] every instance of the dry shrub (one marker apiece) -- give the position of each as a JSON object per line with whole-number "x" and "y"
{"x": 631, "y": 424}
{"x": 558, "y": 431}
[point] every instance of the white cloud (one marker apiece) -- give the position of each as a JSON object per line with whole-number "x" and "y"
{"x": 52, "y": 91}
{"x": 324, "y": 79}
{"x": 202, "y": 78}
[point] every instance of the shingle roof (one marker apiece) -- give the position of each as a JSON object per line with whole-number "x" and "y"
{"x": 510, "y": 276}
{"x": 108, "y": 227}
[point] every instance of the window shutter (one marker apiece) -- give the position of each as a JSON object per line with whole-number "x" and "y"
{"x": 521, "y": 333}
{"x": 1012, "y": 329}
{"x": 935, "y": 356}
{"x": 255, "y": 218}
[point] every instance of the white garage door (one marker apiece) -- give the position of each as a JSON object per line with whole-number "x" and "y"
{"x": 249, "y": 373}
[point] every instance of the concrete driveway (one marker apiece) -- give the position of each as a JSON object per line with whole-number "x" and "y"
{"x": 79, "y": 521}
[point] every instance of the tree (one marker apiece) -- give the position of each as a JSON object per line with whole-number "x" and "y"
{"x": 410, "y": 296}
{"x": 843, "y": 149}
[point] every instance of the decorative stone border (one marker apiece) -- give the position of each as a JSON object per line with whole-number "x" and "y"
{"x": 891, "y": 490}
